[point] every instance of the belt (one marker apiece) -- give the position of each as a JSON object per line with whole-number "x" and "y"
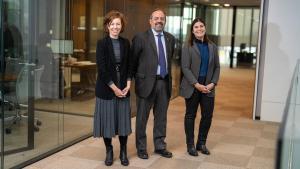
{"x": 158, "y": 77}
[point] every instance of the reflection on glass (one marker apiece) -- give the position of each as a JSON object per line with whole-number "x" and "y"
{"x": 40, "y": 115}
{"x": 246, "y": 36}
{"x": 14, "y": 76}
{"x": 219, "y": 29}
{"x": 174, "y": 18}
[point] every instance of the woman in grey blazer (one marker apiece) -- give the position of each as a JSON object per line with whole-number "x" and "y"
{"x": 201, "y": 69}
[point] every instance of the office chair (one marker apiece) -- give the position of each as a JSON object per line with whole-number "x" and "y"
{"x": 19, "y": 98}
{"x": 12, "y": 68}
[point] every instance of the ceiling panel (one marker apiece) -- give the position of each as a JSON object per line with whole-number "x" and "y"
{"x": 232, "y": 2}
{"x": 221, "y": 2}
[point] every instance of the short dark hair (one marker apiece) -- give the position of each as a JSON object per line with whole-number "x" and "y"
{"x": 158, "y": 9}
{"x": 192, "y": 36}
{"x": 110, "y": 16}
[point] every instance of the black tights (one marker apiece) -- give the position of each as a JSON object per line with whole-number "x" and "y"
{"x": 122, "y": 140}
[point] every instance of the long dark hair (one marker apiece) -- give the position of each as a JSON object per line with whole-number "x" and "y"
{"x": 192, "y": 36}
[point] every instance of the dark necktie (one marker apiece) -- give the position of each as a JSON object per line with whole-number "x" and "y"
{"x": 161, "y": 57}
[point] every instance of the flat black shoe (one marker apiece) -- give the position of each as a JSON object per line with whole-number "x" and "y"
{"x": 192, "y": 150}
{"x": 203, "y": 149}
{"x": 164, "y": 153}
{"x": 123, "y": 157}
{"x": 109, "y": 157}
{"x": 142, "y": 154}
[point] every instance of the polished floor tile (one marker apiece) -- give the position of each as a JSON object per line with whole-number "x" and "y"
{"x": 239, "y": 140}
{"x": 207, "y": 165}
{"x": 228, "y": 159}
{"x": 261, "y": 163}
{"x": 165, "y": 163}
{"x": 235, "y": 140}
{"x": 237, "y": 149}
{"x": 264, "y": 152}
{"x": 267, "y": 143}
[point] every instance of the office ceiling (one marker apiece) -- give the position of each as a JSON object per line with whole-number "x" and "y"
{"x": 221, "y": 2}
{"x": 233, "y": 2}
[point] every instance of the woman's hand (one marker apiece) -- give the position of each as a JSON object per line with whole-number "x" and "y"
{"x": 201, "y": 88}
{"x": 117, "y": 91}
{"x": 127, "y": 88}
{"x": 210, "y": 86}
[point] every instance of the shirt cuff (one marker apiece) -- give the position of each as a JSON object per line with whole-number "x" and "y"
{"x": 110, "y": 83}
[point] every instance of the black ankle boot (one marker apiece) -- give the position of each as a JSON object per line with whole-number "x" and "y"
{"x": 123, "y": 155}
{"x": 109, "y": 156}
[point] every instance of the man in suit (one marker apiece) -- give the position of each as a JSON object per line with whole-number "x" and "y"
{"x": 151, "y": 64}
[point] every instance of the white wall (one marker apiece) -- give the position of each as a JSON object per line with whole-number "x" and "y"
{"x": 282, "y": 49}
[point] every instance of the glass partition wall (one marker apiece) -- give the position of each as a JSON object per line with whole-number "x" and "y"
{"x": 37, "y": 45}
{"x": 234, "y": 29}
{"x": 288, "y": 141}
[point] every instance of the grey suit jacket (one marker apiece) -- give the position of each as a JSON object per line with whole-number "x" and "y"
{"x": 190, "y": 65}
{"x": 144, "y": 61}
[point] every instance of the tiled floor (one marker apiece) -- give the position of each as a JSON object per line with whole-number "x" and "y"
{"x": 235, "y": 140}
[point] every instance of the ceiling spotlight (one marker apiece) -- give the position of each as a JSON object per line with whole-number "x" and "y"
{"x": 227, "y": 5}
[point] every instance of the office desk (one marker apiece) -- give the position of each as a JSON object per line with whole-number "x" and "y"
{"x": 81, "y": 65}
{"x": 8, "y": 81}
{"x": 86, "y": 85}
{"x": 5, "y": 78}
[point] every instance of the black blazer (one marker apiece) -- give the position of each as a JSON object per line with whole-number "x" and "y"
{"x": 107, "y": 67}
{"x": 144, "y": 61}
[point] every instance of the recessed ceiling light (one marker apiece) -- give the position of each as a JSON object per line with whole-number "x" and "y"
{"x": 215, "y": 4}
{"x": 226, "y": 5}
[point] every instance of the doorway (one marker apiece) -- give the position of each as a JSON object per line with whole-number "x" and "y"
{"x": 234, "y": 29}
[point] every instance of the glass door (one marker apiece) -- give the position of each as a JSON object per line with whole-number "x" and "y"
{"x": 246, "y": 36}
{"x": 16, "y": 84}
{"x": 86, "y": 27}
{"x": 30, "y": 78}
{"x": 1, "y": 95}
{"x": 47, "y": 48}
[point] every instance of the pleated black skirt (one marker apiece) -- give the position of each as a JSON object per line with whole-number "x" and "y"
{"x": 112, "y": 117}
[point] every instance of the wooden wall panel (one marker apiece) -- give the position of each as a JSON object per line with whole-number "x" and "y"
{"x": 137, "y": 13}
{"x": 78, "y": 26}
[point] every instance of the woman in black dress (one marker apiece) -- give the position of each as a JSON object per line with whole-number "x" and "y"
{"x": 112, "y": 110}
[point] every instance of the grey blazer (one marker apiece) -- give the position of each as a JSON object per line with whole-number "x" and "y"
{"x": 190, "y": 65}
{"x": 144, "y": 61}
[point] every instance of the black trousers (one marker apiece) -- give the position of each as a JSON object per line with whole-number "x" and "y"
{"x": 159, "y": 100}
{"x": 207, "y": 107}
